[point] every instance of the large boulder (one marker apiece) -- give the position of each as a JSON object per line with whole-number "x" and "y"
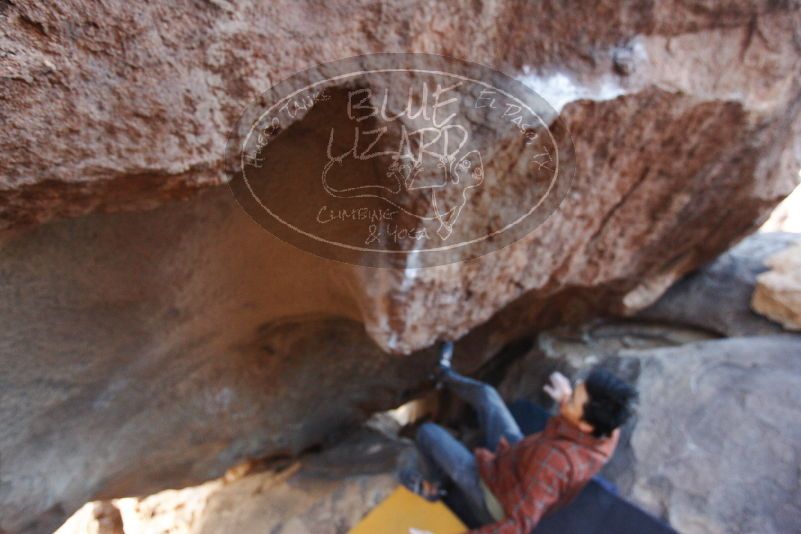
{"x": 678, "y": 112}
{"x": 119, "y": 106}
{"x": 179, "y": 409}
{"x": 717, "y": 436}
{"x": 152, "y": 349}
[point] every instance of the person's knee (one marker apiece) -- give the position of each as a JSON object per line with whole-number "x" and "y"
{"x": 426, "y": 433}
{"x": 490, "y": 394}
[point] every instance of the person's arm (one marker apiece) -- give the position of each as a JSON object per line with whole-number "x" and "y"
{"x": 547, "y": 470}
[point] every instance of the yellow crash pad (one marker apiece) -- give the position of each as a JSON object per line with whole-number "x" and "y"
{"x": 403, "y": 512}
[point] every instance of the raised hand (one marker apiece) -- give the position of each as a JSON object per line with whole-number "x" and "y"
{"x": 559, "y": 387}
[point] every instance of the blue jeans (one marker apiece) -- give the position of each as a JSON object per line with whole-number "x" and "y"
{"x": 447, "y": 456}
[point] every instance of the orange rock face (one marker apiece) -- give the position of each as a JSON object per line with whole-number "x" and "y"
{"x": 148, "y": 343}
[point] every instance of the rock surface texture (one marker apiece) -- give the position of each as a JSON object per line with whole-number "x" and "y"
{"x": 326, "y": 492}
{"x": 718, "y": 297}
{"x": 681, "y": 114}
{"x": 778, "y": 291}
{"x": 697, "y": 467}
{"x": 150, "y": 349}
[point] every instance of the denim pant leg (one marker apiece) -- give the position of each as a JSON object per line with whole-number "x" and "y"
{"x": 494, "y": 417}
{"x": 451, "y": 457}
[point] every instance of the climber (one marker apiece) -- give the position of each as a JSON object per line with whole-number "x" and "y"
{"x": 516, "y": 480}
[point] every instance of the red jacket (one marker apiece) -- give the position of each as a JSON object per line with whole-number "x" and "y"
{"x": 540, "y": 473}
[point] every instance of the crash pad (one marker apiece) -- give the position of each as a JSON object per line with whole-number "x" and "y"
{"x": 403, "y": 512}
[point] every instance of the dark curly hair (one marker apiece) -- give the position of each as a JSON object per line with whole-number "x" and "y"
{"x": 610, "y": 402}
